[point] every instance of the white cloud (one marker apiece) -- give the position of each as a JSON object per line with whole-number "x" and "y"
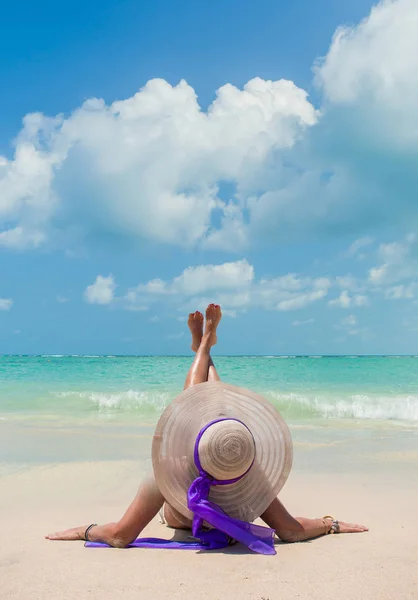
{"x": 155, "y": 286}
{"x": 147, "y": 166}
{"x": 6, "y": 303}
{"x": 349, "y": 321}
{"x": 152, "y": 165}
{"x": 21, "y": 238}
{"x": 356, "y": 168}
{"x": 101, "y": 291}
{"x": 303, "y": 323}
{"x": 204, "y": 278}
{"x": 349, "y": 326}
{"x": 349, "y": 283}
{"x": 374, "y": 59}
{"x": 355, "y": 250}
{"x": 401, "y": 292}
{"x": 360, "y": 300}
{"x": 61, "y": 299}
{"x": 234, "y": 286}
{"x": 27, "y": 200}
{"x": 301, "y": 300}
{"x": 344, "y": 300}
{"x": 397, "y": 263}
{"x": 229, "y": 313}
{"x": 199, "y": 280}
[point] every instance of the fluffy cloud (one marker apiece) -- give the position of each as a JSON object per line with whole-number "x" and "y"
{"x": 357, "y": 247}
{"x": 394, "y": 275}
{"x": 6, "y": 303}
{"x": 147, "y": 166}
{"x": 399, "y": 292}
{"x": 369, "y": 81}
{"x": 153, "y": 165}
{"x": 101, "y": 291}
{"x": 356, "y": 168}
{"x": 303, "y": 323}
{"x": 202, "y": 279}
{"x": 397, "y": 262}
{"x": 234, "y": 286}
{"x": 376, "y": 59}
{"x": 349, "y": 283}
{"x": 344, "y": 300}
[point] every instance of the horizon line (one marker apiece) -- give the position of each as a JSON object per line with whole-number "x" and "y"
{"x": 290, "y": 356}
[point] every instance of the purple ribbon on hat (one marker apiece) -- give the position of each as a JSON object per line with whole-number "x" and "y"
{"x": 256, "y": 537}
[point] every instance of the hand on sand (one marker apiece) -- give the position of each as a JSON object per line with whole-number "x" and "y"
{"x": 351, "y": 527}
{"x": 76, "y": 533}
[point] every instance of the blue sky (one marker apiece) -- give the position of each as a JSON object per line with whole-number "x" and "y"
{"x": 158, "y": 156}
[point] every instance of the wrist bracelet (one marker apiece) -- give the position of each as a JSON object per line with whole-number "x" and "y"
{"x": 335, "y": 525}
{"x": 86, "y": 533}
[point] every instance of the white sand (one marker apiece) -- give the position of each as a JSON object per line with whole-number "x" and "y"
{"x": 378, "y": 565}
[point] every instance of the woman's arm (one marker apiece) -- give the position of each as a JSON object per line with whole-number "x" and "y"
{"x": 290, "y": 529}
{"x": 149, "y": 500}
{"x": 142, "y": 510}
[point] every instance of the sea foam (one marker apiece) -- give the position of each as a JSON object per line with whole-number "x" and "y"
{"x": 356, "y": 406}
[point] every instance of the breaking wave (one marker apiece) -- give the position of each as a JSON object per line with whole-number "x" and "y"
{"x": 143, "y": 401}
{"x": 356, "y": 406}
{"x": 291, "y": 405}
{"x": 150, "y": 403}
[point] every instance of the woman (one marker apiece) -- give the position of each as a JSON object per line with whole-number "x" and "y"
{"x": 149, "y": 500}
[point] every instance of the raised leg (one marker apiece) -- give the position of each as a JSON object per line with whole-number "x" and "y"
{"x": 195, "y": 324}
{"x": 199, "y": 371}
{"x": 213, "y": 373}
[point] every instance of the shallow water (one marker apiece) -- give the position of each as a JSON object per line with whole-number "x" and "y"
{"x": 342, "y": 411}
{"x": 364, "y": 389}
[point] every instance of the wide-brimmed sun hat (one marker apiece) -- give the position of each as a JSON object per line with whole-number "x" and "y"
{"x": 232, "y": 437}
{"x": 221, "y": 454}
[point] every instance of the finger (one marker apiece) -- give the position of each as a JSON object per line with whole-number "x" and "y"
{"x": 353, "y": 529}
{"x": 352, "y": 525}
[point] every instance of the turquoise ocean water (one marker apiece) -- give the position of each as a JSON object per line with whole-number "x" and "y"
{"x": 76, "y": 388}
{"x": 343, "y": 412}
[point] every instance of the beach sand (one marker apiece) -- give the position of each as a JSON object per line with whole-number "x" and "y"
{"x": 379, "y": 565}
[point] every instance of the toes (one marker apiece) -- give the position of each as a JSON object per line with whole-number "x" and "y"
{"x": 195, "y": 318}
{"x": 213, "y": 312}
{"x": 211, "y": 309}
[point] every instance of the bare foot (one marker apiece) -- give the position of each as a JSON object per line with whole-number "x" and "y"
{"x": 76, "y": 533}
{"x": 195, "y": 324}
{"x": 213, "y": 316}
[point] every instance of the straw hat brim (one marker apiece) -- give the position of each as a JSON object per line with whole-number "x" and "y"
{"x": 175, "y": 436}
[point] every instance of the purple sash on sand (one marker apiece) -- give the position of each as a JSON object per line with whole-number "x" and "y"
{"x": 257, "y": 538}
